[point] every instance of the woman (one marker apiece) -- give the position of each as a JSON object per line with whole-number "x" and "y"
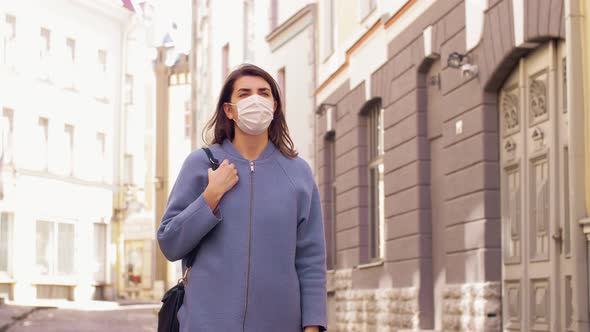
{"x": 257, "y": 221}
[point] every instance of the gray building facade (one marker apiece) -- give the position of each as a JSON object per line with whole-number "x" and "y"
{"x": 478, "y": 231}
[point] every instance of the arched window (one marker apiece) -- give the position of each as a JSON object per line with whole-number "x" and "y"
{"x": 374, "y": 114}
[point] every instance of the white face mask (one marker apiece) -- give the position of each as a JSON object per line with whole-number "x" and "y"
{"x": 254, "y": 114}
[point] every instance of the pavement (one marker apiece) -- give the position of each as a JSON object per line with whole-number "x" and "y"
{"x": 128, "y": 316}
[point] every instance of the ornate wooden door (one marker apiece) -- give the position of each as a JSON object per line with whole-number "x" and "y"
{"x": 533, "y": 157}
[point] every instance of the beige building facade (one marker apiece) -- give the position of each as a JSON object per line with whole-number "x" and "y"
{"x": 173, "y": 142}
{"x": 134, "y": 199}
{"x": 61, "y": 83}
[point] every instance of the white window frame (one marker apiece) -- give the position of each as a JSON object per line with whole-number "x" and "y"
{"x": 376, "y": 225}
{"x": 43, "y": 125}
{"x": 102, "y": 74}
{"x": 54, "y": 258}
{"x": 7, "y": 138}
{"x": 328, "y": 28}
{"x": 248, "y": 30}
{"x": 273, "y": 15}
{"x": 101, "y": 152}
{"x": 225, "y": 60}
{"x": 70, "y": 61}
{"x": 45, "y": 54}
{"x": 128, "y": 161}
{"x": 282, "y": 80}
{"x": 69, "y": 148}
{"x": 331, "y": 146}
{"x": 7, "y": 217}
{"x": 129, "y": 89}
{"x": 9, "y": 41}
{"x": 103, "y": 278}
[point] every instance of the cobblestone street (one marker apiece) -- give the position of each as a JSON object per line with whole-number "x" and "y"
{"x": 132, "y": 318}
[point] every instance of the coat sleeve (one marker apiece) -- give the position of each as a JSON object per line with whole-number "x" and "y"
{"x": 187, "y": 218}
{"x": 310, "y": 262}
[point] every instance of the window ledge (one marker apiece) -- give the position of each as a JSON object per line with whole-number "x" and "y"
{"x": 47, "y": 80}
{"x": 54, "y": 281}
{"x": 369, "y": 265}
{"x": 71, "y": 88}
{"x": 102, "y": 99}
{"x": 7, "y": 280}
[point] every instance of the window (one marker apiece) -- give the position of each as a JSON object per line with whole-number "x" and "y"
{"x": 55, "y": 248}
{"x": 45, "y": 247}
{"x": 70, "y": 62}
{"x": 6, "y": 236}
{"x": 328, "y": 28}
{"x": 101, "y": 153}
{"x": 9, "y": 41}
{"x": 43, "y": 143}
{"x": 331, "y": 180}
{"x": 187, "y": 119}
{"x": 376, "y": 186}
{"x": 128, "y": 89}
{"x": 69, "y": 149}
{"x": 102, "y": 61}
{"x": 274, "y": 14}
{"x": 100, "y": 249}
{"x": 102, "y": 75}
{"x": 45, "y": 54}
{"x": 137, "y": 263}
{"x": 70, "y": 51}
{"x": 283, "y": 86}
{"x": 366, "y": 7}
{"x": 128, "y": 169}
{"x": 7, "y": 136}
{"x": 248, "y": 31}
{"x": 225, "y": 61}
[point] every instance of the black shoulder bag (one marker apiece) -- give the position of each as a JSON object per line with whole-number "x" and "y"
{"x": 172, "y": 300}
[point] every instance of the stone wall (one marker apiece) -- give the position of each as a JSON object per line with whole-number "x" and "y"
{"x": 472, "y": 307}
{"x": 381, "y": 309}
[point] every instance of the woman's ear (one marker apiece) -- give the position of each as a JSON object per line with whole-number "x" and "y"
{"x": 227, "y": 109}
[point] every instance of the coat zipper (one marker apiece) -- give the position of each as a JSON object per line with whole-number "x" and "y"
{"x": 249, "y": 242}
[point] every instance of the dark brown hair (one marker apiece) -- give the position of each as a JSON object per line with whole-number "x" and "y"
{"x": 223, "y": 127}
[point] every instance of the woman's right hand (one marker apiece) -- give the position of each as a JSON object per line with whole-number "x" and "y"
{"x": 221, "y": 181}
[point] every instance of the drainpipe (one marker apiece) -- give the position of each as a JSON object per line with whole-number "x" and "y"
{"x": 575, "y": 101}
{"x": 315, "y": 85}
{"x": 121, "y": 131}
{"x": 193, "y": 71}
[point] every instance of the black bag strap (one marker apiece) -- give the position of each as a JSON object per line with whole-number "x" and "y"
{"x": 214, "y": 162}
{"x": 190, "y": 258}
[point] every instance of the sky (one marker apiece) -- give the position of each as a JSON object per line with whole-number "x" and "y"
{"x": 167, "y": 13}
{"x": 179, "y": 11}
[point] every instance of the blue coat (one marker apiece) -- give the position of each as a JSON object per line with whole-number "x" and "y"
{"x": 261, "y": 262}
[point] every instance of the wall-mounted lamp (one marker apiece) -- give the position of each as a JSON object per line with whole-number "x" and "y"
{"x": 329, "y": 111}
{"x": 462, "y": 61}
{"x": 323, "y": 107}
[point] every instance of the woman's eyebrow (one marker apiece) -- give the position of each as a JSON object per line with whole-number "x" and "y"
{"x": 248, "y": 90}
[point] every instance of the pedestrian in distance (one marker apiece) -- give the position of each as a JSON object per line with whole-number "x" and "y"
{"x": 255, "y": 222}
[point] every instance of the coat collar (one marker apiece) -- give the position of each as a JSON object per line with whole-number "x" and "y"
{"x": 230, "y": 149}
